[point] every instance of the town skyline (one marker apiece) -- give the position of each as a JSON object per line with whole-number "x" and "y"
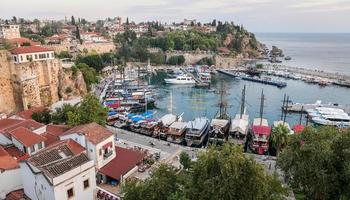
{"x": 288, "y": 16}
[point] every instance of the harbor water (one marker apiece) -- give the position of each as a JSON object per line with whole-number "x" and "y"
{"x": 320, "y": 51}
{"x": 328, "y": 52}
{"x": 194, "y": 102}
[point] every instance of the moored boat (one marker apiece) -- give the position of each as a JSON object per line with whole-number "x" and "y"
{"x": 197, "y": 131}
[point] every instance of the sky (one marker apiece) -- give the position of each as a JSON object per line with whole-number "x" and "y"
{"x": 255, "y": 15}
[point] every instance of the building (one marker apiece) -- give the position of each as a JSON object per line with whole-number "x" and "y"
{"x": 98, "y": 141}
{"x": 190, "y": 22}
{"x": 92, "y": 37}
{"x": 31, "y": 53}
{"x": 10, "y": 175}
{"x": 9, "y": 31}
{"x": 61, "y": 171}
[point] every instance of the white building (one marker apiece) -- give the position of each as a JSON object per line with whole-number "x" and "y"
{"x": 97, "y": 140}
{"x": 59, "y": 172}
{"x": 92, "y": 37}
{"x": 27, "y": 141}
{"x": 10, "y": 176}
{"x": 9, "y": 31}
{"x": 31, "y": 53}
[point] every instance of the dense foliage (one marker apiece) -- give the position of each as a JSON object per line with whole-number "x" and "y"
{"x": 279, "y": 137}
{"x": 206, "y": 61}
{"x": 95, "y": 61}
{"x": 89, "y": 110}
{"x": 89, "y": 73}
{"x": 317, "y": 163}
{"x": 176, "y": 60}
{"x": 235, "y": 38}
{"x": 219, "y": 173}
{"x": 42, "y": 117}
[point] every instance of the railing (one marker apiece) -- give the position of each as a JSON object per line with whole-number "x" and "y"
{"x": 106, "y": 155}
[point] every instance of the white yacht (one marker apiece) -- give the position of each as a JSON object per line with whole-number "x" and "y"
{"x": 239, "y": 128}
{"x": 181, "y": 79}
{"x": 329, "y": 117}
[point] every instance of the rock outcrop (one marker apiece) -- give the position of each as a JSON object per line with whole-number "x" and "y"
{"x": 72, "y": 84}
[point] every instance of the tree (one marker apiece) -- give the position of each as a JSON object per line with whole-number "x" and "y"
{"x": 176, "y": 60}
{"x": 185, "y": 160}
{"x": 90, "y": 74}
{"x": 90, "y": 110}
{"x": 64, "y": 54}
{"x": 219, "y": 173}
{"x": 42, "y": 117}
{"x": 214, "y": 22}
{"x": 60, "y": 115}
{"x": 94, "y": 61}
{"x": 73, "y": 20}
{"x": 279, "y": 137}
{"x": 317, "y": 163}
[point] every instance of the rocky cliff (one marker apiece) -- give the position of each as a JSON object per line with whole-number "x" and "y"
{"x": 72, "y": 84}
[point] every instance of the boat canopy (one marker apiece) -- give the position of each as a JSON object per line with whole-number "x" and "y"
{"x": 168, "y": 119}
{"x": 239, "y": 124}
{"x": 219, "y": 122}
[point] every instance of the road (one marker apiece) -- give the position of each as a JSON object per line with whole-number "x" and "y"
{"x": 145, "y": 142}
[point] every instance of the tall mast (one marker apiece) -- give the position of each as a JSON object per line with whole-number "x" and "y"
{"x": 262, "y": 106}
{"x": 301, "y": 114}
{"x": 285, "y": 112}
{"x": 243, "y": 102}
{"x": 283, "y": 106}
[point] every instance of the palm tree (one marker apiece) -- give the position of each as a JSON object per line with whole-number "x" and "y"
{"x": 279, "y": 137}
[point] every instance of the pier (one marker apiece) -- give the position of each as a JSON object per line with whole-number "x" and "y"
{"x": 252, "y": 79}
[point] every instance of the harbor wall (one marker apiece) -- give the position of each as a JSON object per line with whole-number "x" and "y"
{"x": 7, "y": 100}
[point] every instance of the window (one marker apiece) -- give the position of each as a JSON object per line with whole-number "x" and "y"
{"x": 21, "y": 58}
{"x": 32, "y": 149}
{"x": 70, "y": 193}
{"x": 100, "y": 152}
{"x": 86, "y": 184}
{"x": 47, "y": 55}
{"x": 40, "y": 145}
{"x": 52, "y": 55}
{"x": 36, "y": 56}
{"x": 15, "y": 58}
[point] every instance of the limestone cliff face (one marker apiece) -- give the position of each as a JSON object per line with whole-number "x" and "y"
{"x": 71, "y": 84}
{"x": 39, "y": 83}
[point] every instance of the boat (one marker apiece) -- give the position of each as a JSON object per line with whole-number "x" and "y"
{"x": 220, "y": 125}
{"x": 329, "y": 116}
{"x": 239, "y": 125}
{"x": 177, "y": 132}
{"x": 163, "y": 125}
{"x": 181, "y": 79}
{"x": 260, "y": 131}
{"x": 197, "y": 131}
{"x": 288, "y": 58}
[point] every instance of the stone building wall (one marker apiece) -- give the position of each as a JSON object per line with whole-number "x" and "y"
{"x": 32, "y": 84}
{"x": 7, "y": 99}
{"x": 90, "y": 47}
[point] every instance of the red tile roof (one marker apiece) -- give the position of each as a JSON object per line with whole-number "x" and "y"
{"x": 59, "y": 158}
{"x": 7, "y": 162}
{"x": 53, "y": 133}
{"x": 261, "y": 130}
{"x": 20, "y": 41}
{"x": 125, "y": 160}
{"x": 16, "y": 195}
{"x": 26, "y": 137}
{"x": 5, "y": 123}
{"x": 16, "y": 153}
{"x": 30, "y": 49}
{"x": 29, "y": 124}
{"x": 27, "y": 114}
{"x": 93, "y": 132}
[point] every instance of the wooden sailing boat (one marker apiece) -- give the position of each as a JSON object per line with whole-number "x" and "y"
{"x": 239, "y": 125}
{"x": 261, "y": 130}
{"x": 219, "y": 126}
